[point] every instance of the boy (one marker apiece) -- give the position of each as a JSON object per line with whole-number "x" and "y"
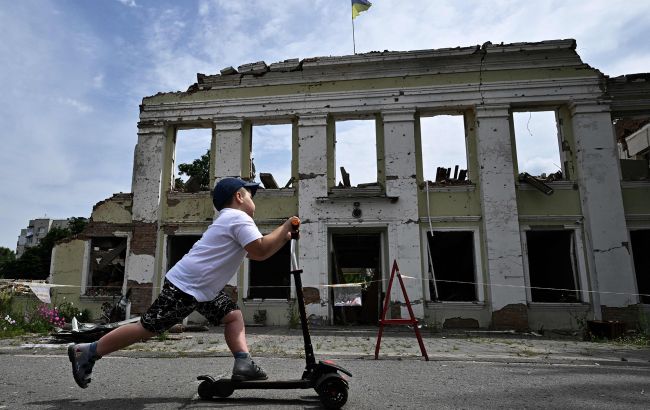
{"x": 196, "y": 283}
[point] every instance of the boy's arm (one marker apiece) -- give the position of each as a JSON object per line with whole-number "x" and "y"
{"x": 266, "y": 246}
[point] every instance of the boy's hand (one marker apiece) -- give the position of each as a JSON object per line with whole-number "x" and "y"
{"x": 295, "y": 227}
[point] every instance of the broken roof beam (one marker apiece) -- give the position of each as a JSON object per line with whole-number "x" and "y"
{"x": 268, "y": 180}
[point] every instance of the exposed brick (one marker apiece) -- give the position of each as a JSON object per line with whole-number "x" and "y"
{"x": 144, "y": 238}
{"x": 460, "y": 323}
{"x": 141, "y": 294}
{"x": 628, "y": 315}
{"x": 513, "y": 316}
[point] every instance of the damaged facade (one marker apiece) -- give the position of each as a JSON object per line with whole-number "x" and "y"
{"x": 487, "y": 246}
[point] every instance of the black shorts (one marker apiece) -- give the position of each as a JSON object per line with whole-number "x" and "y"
{"x": 173, "y": 305}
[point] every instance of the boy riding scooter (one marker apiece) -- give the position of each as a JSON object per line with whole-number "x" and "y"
{"x": 196, "y": 283}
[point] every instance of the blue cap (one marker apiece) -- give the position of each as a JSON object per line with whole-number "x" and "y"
{"x": 226, "y": 188}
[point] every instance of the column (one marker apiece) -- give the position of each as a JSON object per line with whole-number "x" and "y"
{"x": 228, "y": 134}
{"x": 404, "y": 233}
{"x": 599, "y": 176}
{"x": 146, "y": 186}
{"x": 312, "y": 183}
{"x": 507, "y": 294}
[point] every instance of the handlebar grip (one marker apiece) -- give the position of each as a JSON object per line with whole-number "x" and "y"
{"x": 295, "y": 224}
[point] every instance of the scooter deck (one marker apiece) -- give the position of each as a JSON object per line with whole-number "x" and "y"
{"x": 260, "y": 384}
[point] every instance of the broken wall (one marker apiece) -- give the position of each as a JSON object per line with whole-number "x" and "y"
{"x": 486, "y": 84}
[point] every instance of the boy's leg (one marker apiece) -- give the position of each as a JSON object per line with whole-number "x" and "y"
{"x": 222, "y": 310}
{"x": 170, "y": 307}
{"x": 122, "y": 337}
{"x": 234, "y": 332}
{"x": 83, "y": 356}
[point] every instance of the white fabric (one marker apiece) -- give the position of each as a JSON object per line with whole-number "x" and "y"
{"x": 216, "y": 257}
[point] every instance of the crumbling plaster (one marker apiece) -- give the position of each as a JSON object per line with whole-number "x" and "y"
{"x": 485, "y": 83}
{"x": 602, "y": 204}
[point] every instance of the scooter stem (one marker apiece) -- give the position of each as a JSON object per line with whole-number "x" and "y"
{"x": 295, "y": 271}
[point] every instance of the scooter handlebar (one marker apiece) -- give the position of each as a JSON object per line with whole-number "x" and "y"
{"x": 295, "y": 224}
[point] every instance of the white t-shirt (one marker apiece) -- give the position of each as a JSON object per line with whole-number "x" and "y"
{"x": 216, "y": 257}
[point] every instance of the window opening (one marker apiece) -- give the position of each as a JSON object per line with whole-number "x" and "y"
{"x": 640, "y": 245}
{"x": 444, "y": 149}
{"x": 270, "y": 278}
{"x": 192, "y": 160}
{"x": 178, "y": 246}
{"x": 552, "y": 266}
{"x": 633, "y": 135}
{"x": 452, "y": 254}
{"x": 356, "y": 258}
{"x": 538, "y": 145}
{"x": 271, "y": 155}
{"x": 356, "y": 153}
{"x": 107, "y": 261}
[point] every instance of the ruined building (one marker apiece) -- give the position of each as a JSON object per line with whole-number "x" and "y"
{"x": 508, "y": 249}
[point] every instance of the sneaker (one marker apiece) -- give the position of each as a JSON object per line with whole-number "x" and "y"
{"x": 82, "y": 360}
{"x": 246, "y": 369}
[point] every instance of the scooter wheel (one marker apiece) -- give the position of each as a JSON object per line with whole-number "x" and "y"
{"x": 333, "y": 393}
{"x": 222, "y": 389}
{"x": 205, "y": 389}
{"x": 209, "y": 389}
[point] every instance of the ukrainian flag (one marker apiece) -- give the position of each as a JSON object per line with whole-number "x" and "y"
{"x": 359, "y": 6}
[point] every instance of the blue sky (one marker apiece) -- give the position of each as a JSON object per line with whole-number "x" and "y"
{"x": 73, "y": 72}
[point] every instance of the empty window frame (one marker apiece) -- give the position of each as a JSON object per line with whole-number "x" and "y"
{"x": 454, "y": 267}
{"x": 178, "y": 246}
{"x": 552, "y": 266}
{"x": 270, "y": 278}
{"x": 640, "y": 247}
{"x": 444, "y": 148}
{"x": 106, "y": 270}
{"x": 356, "y": 153}
{"x": 538, "y": 143}
{"x": 271, "y": 155}
{"x": 192, "y": 160}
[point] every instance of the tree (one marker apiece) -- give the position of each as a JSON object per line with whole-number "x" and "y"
{"x": 35, "y": 261}
{"x": 199, "y": 173}
{"x": 6, "y": 255}
{"x": 77, "y": 224}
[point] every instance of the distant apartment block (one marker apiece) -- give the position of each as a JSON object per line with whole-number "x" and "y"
{"x": 36, "y": 231}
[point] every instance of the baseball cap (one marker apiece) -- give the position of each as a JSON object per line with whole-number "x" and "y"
{"x": 225, "y": 189}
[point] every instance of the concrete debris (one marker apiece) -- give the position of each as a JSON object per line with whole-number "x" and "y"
{"x": 257, "y": 68}
{"x": 228, "y": 71}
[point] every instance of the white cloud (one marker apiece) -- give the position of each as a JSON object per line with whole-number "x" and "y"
{"x": 72, "y": 77}
{"x": 78, "y": 105}
{"x": 129, "y": 3}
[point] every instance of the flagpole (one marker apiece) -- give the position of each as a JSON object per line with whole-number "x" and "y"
{"x": 354, "y": 45}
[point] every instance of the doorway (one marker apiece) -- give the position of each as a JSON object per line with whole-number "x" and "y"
{"x": 356, "y": 262}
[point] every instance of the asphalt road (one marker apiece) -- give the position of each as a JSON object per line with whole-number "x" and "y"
{"x": 43, "y": 381}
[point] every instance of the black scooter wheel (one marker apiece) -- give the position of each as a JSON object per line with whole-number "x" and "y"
{"x": 209, "y": 389}
{"x": 205, "y": 389}
{"x": 222, "y": 389}
{"x": 333, "y": 393}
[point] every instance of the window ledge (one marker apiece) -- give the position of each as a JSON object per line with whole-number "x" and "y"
{"x": 274, "y": 193}
{"x": 186, "y": 195}
{"x": 103, "y": 298}
{"x": 557, "y": 306}
{"x": 556, "y": 185}
{"x": 450, "y": 188}
{"x": 373, "y": 192}
{"x": 635, "y": 184}
{"x": 455, "y": 305}
{"x": 265, "y": 302}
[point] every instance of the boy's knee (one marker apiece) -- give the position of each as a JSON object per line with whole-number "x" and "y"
{"x": 233, "y": 316}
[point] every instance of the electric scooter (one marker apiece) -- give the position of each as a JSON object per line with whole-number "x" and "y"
{"x": 324, "y": 377}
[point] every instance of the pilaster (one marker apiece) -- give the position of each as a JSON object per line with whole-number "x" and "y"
{"x": 500, "y": 216}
